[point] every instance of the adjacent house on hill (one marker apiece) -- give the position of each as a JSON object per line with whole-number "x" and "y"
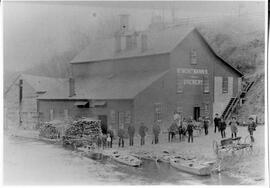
{"x": 21, "y": 98}
{"x": 144, "y": 77}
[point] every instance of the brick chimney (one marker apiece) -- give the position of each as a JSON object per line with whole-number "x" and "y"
{"x": 71, "y": 87}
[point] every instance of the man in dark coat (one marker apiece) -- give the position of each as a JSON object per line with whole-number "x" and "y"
{"x": 131, "y": 132}
{"x": 251, "y": 128}
{"x": 190, "y": 128}
{"x": 217, "y": 122}
{"x": 156, "y": 131}
{"x": 206, "y": 123}
{"x": 142, "y": 132}
{"x": 223, "y": 126}
{"x": 172, "y": 130}
{"x": 121, "y": 134}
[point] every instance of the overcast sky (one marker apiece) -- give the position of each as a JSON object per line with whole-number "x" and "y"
{"x": 35, "y": 32}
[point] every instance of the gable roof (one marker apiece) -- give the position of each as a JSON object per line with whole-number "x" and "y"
{"x": 218, "y": 56}
{"x": 125, "y": 85}
{"x": 41, "y": 83}
{"x": 157, "y": 43}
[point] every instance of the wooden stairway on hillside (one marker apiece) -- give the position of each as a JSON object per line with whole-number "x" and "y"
{"x": 234, "y": 101}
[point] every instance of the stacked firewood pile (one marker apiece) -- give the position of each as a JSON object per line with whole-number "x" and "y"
{"x": 82, "y": 132}
{"x": 47, "y": 130}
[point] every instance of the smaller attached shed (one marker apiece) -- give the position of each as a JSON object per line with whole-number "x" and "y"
{"x": 20, "y": 98}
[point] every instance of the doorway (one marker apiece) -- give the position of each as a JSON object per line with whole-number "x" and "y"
{"x": 104, "y": 125}
{"x": 196, "y": 113}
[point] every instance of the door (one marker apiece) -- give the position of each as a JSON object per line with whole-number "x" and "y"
{"x": 104, "y": 125}
{"x": 196, "y": 113}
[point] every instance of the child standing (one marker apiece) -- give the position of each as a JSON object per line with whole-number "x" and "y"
{"x": 109, "y": 140}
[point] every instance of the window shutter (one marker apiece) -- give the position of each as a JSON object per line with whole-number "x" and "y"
{"x": 206, "y": 87}
{"x": 179, "y": 82}
{"x": 225, "y": 85}
{"x": 157, "y": 107}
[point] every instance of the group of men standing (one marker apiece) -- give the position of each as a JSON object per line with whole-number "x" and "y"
{"x": 184, "y": 126}
{"x": 142, "y": 132}
{"x": 179, "y": 126}
{"x": 220, "y": 126}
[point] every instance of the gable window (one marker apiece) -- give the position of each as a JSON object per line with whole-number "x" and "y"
{"x": 179, "y": 82}
{"x": 206, "y": 87}
{"x": 225, "y": 85}
{"x": 193, "y": 57}
{"x": 158, "y": 112}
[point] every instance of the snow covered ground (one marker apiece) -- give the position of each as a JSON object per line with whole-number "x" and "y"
{"x": 28, "y": 161}
{"x": 249, "y": 168}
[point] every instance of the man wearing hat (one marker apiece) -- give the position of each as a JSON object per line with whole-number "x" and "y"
{"x": 251, "y": 127}
{"x": 206, "y": 123}
{"x": 234, "y": 128}
{"x": 217, "y": 122}
{"x": 190, "y": 127}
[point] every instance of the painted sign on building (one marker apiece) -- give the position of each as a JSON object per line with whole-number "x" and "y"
{"x": 192, "y": 76}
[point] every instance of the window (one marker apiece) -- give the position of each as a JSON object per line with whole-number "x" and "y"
{"x": 179, "y": 83}
{"x": 206, "y": 88}
{"x": 127, "y": 117}
{"x": 66, "y": 114}
{"x": 129, "y": 42}
{"x": 113, "y": 118}
{"x": 206, "y": 109}
{"x": 121, "y": 119}
{"x": 193, "y": 57}
{"x": 157, "y": 111}
{"x": 179, "y": 109}
{"x": 225, "y": 85}
{"x": 51, "y": 114}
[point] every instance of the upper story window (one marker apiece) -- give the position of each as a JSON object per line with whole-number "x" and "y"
{"x": 179, "y": 82}
{"x": 193, "y": 57}
{"x": 206, "y": 87}
{"x": 225, "y": 85}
